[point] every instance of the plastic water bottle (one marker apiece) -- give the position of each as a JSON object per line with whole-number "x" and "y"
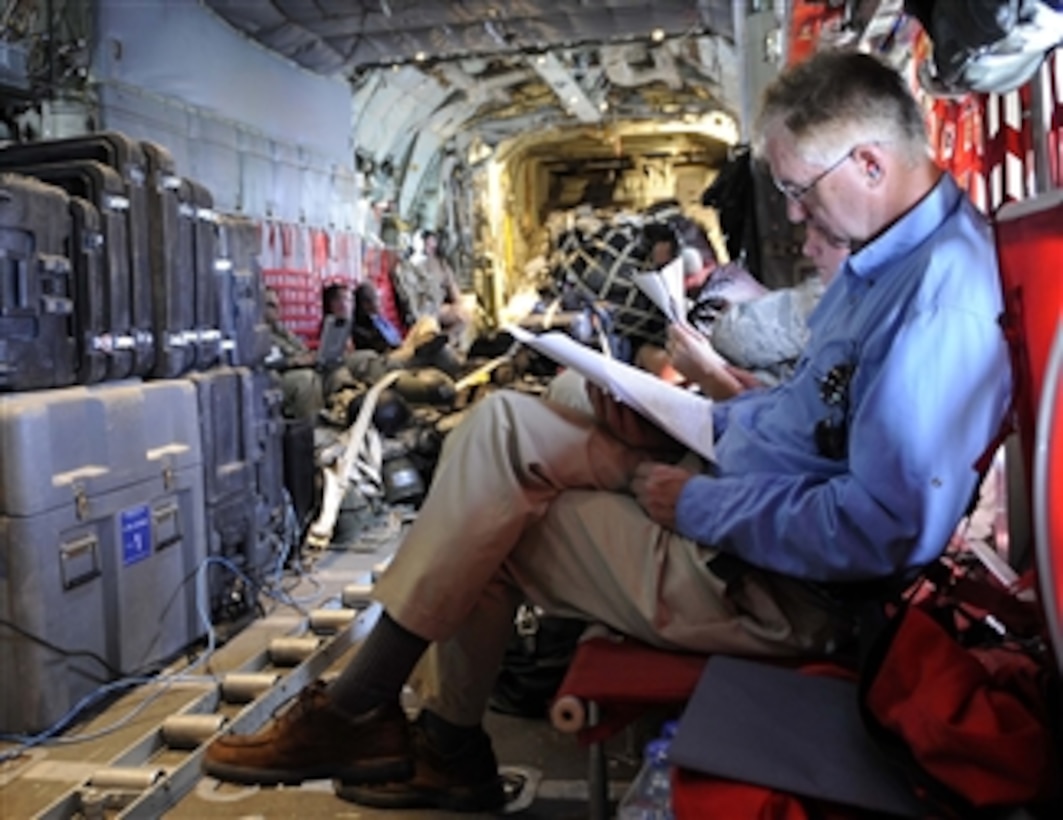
{"x": 650, "y": 794}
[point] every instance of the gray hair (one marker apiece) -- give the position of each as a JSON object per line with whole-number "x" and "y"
{"x": 837, "y": 99}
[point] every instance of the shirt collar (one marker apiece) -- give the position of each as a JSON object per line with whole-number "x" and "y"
{"x": 911, "y": 230}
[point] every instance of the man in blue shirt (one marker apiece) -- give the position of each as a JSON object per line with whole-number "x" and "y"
{"x": 856, "y": 469}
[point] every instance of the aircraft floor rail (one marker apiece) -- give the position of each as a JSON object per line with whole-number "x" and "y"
{"x": 151, "y": 775}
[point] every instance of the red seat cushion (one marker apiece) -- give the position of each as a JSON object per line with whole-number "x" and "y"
{"x": 623, "y": 677}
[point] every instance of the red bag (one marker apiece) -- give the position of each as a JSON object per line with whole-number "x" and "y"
{"x": 693, "y": 794}
{"x": 971, "y": 725}
{"x": 696, "y": 796}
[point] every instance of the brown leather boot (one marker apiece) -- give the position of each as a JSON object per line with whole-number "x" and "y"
{"x": 464, "y": 780}
{"x": 313, "y": 739}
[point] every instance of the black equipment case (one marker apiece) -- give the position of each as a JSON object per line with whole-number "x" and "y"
{"x": 199, "y": 203}
{"x": 37, "y": 347}
{"x": 126, "y": 158}
{"x": 90, "y": 293}
{"x": 172, "y": 266}
{"x": 102, "y": 186}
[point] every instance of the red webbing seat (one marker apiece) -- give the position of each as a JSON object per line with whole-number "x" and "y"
{"x": 613, "y": 680}
{"x": 622, "y": 677}
{"x": 1030, "y": 247}
{"x": 1048, "y": 495}
{"x": 610, "y": 682}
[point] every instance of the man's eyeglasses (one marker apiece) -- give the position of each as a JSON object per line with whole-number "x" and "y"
{"x": 795, "y": 192}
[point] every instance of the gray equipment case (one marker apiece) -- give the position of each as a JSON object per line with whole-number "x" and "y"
{"x": 101, "y": 534}
{"x": 230, "y": 449}
{"x": 268, "y": 430}
{"x": 241, "y": 310}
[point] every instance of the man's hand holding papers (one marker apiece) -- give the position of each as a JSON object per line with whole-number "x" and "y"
{"x": 657, "y": 487}
{"x": 682, "y": 414}
{"x": 628, "y": 425}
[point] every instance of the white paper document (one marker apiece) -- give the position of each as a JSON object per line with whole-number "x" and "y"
{"x": 684, "y": 415}
{"x": 664, "y": 288}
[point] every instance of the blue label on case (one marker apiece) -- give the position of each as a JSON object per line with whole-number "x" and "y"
{"x": 136, "y": 535}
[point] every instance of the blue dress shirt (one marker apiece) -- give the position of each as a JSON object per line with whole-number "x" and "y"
{"x": 906, "y": 377}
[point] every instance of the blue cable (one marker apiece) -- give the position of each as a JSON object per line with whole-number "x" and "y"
{"x": 49, "y": 735}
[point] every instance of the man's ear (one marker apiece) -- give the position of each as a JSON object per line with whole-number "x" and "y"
{"x": 871, "y": 160}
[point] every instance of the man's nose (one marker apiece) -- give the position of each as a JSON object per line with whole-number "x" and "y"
{"x": 811, "y": 251}
{"x": 796, "y": 211}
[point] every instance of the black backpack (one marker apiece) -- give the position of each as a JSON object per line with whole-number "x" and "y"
{"x": 986, "y": 46}
{"x": 733, "y": 195}
{"x": 536, "y": 660}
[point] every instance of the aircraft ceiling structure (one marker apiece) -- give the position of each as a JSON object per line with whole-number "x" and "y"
{"x": 331, "y": 36}
{"x": 438, "y": 83}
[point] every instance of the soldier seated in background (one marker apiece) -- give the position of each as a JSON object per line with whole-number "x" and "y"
{"x": 370, "y": 328}
{"x": 751, "y": 344}
{"x": 335, "y": 301}
{"x": 756, "y": 343}
{"x": 293, "y": 361}
{"x": 446, "y": 304}
{"x": 287, "y": 349}
{"x": 427, "y": 287}
{"x": 308, "y": 378}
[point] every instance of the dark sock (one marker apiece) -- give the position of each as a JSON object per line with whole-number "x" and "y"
{"x": 444, "y": 736}
{"x": 379, "y": 669}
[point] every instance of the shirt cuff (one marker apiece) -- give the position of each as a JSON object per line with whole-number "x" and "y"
{"x": 695, "y": 514}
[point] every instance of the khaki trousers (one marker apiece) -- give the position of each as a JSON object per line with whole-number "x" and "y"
{"x": 529, "y": 501}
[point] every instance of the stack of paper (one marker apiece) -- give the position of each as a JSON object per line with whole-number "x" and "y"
{"x": 684, "y": 415}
